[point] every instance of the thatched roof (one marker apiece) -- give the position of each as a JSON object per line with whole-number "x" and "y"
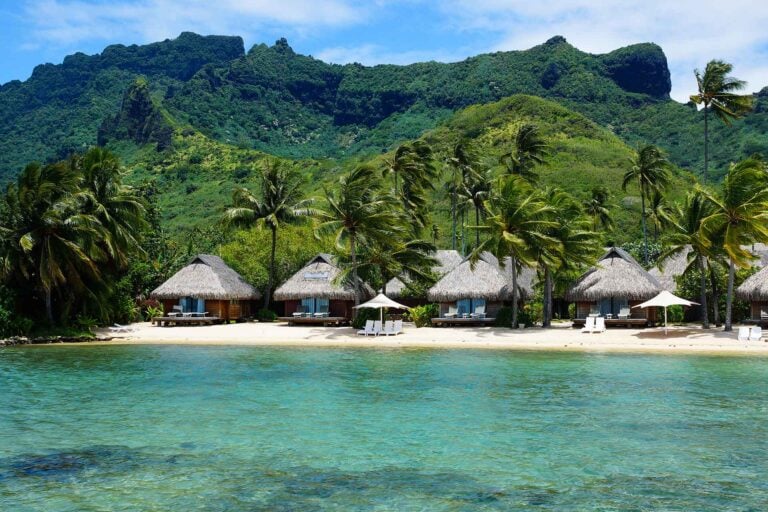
{"x": 317, "y": 279}
{"x": 755, "y": 287}
{"x": 206, "y": 277}
{"x": 486, "y": 281}
{"x": 448, "y": 259}
{"x": 616, "y": 274}
{"x": 671, "y": 268}
{"x": 526, "y": 279}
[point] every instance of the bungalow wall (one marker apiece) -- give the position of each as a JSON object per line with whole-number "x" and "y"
{"x": 339, "y": 308}
{"x": 491, "y": 308}
{"x": 225, "y": 309}
{"x": 585, "y": 308}
{"x": 758, "y": 310}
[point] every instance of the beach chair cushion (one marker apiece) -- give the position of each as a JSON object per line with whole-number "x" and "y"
{"x": 368, "y": 329}
{"x": 376, "y": 327}
{"x": 756, "y": 333}
{"x": 743, "y": 334}
{"x": 589, "y": 324}
{"x": 599, "y": 324}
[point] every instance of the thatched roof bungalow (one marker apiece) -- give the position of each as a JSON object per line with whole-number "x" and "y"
{"x": 613, "y": 286}
{"x": 209, "y": 285}
{"x": 755, "y": 291}
{"x": 447, "y": 260}
{"x": 314, "y": 289}
{"x": 464, "y": 289}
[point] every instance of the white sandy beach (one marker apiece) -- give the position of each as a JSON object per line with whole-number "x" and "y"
{"x": 689, "y": 339}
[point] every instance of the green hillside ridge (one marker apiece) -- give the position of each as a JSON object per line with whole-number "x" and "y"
{"x": 280, "y": 102}
{"x": 196, "y": 177}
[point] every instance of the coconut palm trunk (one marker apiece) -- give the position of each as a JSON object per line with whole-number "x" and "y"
{"x": 353, "y": 249}
{"x": 703, "y": 285}
{"x": 477, "y": 223}
{"x": 729, "y": 295}
{"x": 48, "y": 306}
{"x": 271, "y": 279}
{"x": 705, "y": 177}
{"x": 547, "y": 320}
{"x": 514, "y": 292}
{"x": 645, "y": 229}
{"x": 715, "y": 296}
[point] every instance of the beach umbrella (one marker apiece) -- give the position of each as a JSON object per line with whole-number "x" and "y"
{"x": 664, "y": 300}
{"x": 381, "y": 301}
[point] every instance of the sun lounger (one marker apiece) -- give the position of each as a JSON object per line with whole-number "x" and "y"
{"x": 299, "y": 312}
{"x": 479, "y": 312}
{"x": 452, "y": 311}
{"x": 589, "y": 324}
{"x": 389, "y": 328}
{"x": 368, "y": 329}
{"x": 398, "y": 327}
{"x": 377, "y": 327}
{"x": 122, "y": 328}
{"x": 599, "y": 324}
{"x": 623, "y": 313}
{"x": 756, "y": 334}
{"x": 743, "y": 334}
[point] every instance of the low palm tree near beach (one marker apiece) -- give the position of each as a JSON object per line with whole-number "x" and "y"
{"x": 740, "y": 217}
{"x": 717, "y": 91}
{"x": 517, "y": 223}
{"x": 649, "y": 171}
{"x": 280, "y": 202}
{"x": 359, "y": 214}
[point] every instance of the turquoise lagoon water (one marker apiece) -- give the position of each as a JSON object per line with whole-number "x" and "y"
{"x": 235, "y": 428}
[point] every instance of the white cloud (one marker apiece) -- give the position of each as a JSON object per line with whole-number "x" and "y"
{"x": 690, "y": 32}
{"x": 69, "y": 22}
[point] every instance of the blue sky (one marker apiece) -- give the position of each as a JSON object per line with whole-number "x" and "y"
{"x": 399, "y": 31}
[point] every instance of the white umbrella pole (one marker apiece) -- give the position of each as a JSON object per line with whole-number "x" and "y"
{"x": 665, "y": 320}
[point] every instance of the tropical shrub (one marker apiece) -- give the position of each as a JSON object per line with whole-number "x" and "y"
{"x": 675, "y": 314}
{"x": 364, "y": 314}
{"x": 266, "y": 315}
{"x": 422, "y": 316}
{"x": 503, "y": 317}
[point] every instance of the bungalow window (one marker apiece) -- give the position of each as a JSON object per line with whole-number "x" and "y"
{"x": 192, "y": 305}
{"x": 315, "y": 305}
{"x": 467, "y": 306}
{"x": 613, "y": 306}
{"x": 308, "y": 305}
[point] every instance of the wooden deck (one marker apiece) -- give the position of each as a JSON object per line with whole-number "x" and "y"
{"x": 167, "y": 321}
{"x": 616, "y": 322}
{"x": 447, "y": 322}
{"x": 315, "y": 320}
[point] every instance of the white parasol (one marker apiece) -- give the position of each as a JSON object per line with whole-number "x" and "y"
{"x": 380, "y": 302}
{"x": 664, "y": 300}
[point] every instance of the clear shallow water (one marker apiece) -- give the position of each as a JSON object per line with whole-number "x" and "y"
{"x": 234, "y": 428}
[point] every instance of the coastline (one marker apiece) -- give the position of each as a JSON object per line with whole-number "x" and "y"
{"x": 561, "y": 337}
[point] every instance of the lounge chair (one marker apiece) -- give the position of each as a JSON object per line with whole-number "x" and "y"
{"x": 299, "y": 312}
{"x": 176, "y": 311}
{"x": 122, "y": 328}
{"x": 398, "y": 327}
{"x": 376, "y": 327}
{"x": 452, "y": 311}
{"x": 743, "y": 334}
{"x": 479, "y": 312}
{"x": 599, "y": 324}
{"x": 389, "y": 328}
{"x": 589, "y": 324}
{"x": 756, "y": 334}
{"x": 623, "y": 313}
{"x": 368, "y": 328}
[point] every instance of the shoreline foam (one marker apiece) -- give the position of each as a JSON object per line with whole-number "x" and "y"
{"x": 678, "y": 340}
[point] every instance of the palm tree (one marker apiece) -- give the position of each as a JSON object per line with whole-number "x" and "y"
{"x": 118, "y": 209}
{"x": 528, "y": 150}
{"x": 658, "y": 213}
{"x": 412, "y": 163}
{"x": 358, "y": 214}
{"x": 649, "y": 169}
{"x": 741, "y": 217}
{"x": 386, "y": 259}
{"x": 48, "y": 238}
{"x": 462, "y": 163}
{"x": 689, "y": 232}
{"x": 517, "y": 221}
{"x": 281, "y": 202}
{"x": 597, "y": 208}
{"x": 717, "y": 92}
{"x": 575, "y": 244}
{"x": 475, "y": 189}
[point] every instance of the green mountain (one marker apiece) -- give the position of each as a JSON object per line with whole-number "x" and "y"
{"x": 273, "y": 100}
